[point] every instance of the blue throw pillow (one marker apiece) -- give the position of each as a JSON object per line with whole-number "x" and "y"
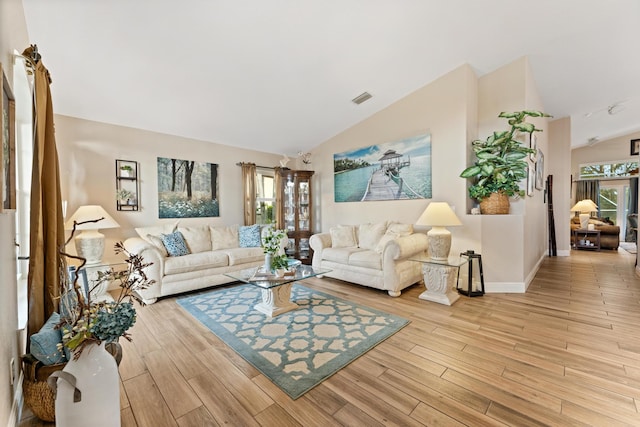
{"x": 175, "y": 244}
{"x": 44, "y": 343}
{"x": 249, "y": 236}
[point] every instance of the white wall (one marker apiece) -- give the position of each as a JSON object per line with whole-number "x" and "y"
{"x": 88, "y": 151}
{"x": 560, "y": 154}
{"x": 447, "y": 109}
{"x": 13, "y": 36}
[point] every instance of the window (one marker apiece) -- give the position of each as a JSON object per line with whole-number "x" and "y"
{"x": 608, "y": 169}
{"x": 265, "y": 197}
{"x": 24, "y": 158}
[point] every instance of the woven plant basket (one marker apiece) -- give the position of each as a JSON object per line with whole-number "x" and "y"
{"x": 38, "y": 396}
{"x": 495, "y": 204}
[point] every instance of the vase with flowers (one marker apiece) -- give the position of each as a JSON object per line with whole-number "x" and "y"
{"x": 272, "y": 247}
{"x": 88, "y": 386}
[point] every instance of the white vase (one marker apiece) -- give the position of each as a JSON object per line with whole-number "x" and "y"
{"x": 96, "y": 375}
{"x": 267, "y": 262}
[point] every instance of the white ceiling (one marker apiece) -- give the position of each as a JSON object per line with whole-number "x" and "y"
{"x": 279, "y": 75}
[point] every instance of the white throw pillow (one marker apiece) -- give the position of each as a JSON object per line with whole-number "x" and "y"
{"x": 394, "y": 230}
{"x": 343, "y": 236}
{"x": 198, "y": 239}
{"x": 156, "y": 230}
{"x": 224, "y": 237}
{"x": 370, "y": 234}
{"x": 157, "y": 242}
{"x": 400, "y": 229}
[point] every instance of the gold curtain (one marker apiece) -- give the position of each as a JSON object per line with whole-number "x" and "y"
{"x": 249, "y": 188}
{"x": 47, "y": 228}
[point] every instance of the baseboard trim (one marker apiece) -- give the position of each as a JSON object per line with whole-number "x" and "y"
{"x": 505, "y": 288}
{"x": 18, "y": 402}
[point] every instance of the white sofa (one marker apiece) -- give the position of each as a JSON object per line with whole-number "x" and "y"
{"x": 213, "y": 251}
{"x": 374, "y": 255}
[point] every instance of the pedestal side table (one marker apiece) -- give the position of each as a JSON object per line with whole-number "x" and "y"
{"x": 440, "y": 278}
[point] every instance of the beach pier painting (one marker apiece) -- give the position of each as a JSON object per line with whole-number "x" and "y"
{"x": 395, "y": 170}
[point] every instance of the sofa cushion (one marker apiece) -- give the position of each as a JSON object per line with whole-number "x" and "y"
{"x": 343, "y": 236}
{"x": 367, "y": 259}
{"x": 244, "y": 255}
{"x": 44, "y": 343}
{"x": 340, "y": 255}
{"x": 175, "y": 244}
{"x": 195, "y": 262}
{"x": 224, "y": 237}
{"x": 198, "y": 239}
{"x": 249, "y": 236}
{"x": 370, "y": 234}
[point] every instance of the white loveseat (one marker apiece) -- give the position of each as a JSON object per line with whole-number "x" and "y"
{"x": 213, "y": 251}
{"x": 374, "y": 255}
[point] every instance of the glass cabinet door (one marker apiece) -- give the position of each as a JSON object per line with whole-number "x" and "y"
{"x": 295, "y": 215}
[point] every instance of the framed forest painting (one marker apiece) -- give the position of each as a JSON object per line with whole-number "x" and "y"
{"x": 187, "y": 189}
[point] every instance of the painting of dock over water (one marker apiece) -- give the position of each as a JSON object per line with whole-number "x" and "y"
{"x": 390, "y": 171}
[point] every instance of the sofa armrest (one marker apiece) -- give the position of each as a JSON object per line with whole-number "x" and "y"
{"x": 405, "y": 247}
{"x": 149, "y": 254}
{"x": 318, "y": 243}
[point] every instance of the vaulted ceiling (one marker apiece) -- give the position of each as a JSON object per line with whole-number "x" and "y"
{"x": 279, "y": 75}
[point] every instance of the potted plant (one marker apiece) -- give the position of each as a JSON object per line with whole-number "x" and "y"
{"x": 124, "y": 196}
{"x": 126, "y": 171}
{"x": 501, "y": 164}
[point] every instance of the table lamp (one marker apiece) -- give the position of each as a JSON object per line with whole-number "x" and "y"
{"x": 439, "y": 215}
{"x": 90, "y": 242}
{"x": 584, "y": 208}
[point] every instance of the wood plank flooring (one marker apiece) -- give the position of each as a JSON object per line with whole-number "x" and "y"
{"x": 565, "y": 353}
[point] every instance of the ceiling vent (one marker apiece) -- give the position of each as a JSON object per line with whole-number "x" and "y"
{"x": 361, "y": 98}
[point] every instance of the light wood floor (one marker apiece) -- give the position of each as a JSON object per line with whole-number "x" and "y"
{"x": 565, "y": 353}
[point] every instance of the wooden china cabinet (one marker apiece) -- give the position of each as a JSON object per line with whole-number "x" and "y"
{"x": 294, "y": 212}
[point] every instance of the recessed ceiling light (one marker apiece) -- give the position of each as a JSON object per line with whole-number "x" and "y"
{"x": 361, "y": 98}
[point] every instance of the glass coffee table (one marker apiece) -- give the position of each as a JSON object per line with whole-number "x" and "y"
{"x": 276, "y": 291}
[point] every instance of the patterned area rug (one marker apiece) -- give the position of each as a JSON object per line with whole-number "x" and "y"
{"x": 299, "y": 349}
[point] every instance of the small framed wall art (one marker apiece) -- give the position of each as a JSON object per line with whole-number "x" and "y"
{"x": 635, "y": 147}
{"x": 540, "y": 171}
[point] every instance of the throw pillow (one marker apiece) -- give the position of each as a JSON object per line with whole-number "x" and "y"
{"x": 44, "y": 343}
{"x": 343, "y": 236}
{"x": 156, "y": 230}
{"x": 249, "y": 236}
{"x": 157, "y": 242}
{"x": 224, "y": 237}
{"x": 198, "y": 239}
{"x": 394, "y": 230}
{"x": 370, "y": 234}
{"x": 175, "y": 244}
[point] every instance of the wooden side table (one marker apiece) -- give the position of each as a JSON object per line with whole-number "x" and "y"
{"x": 581, "y": 236}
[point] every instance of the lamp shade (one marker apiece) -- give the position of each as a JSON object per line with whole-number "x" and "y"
{"x": 439, "y": 215}
{"x": 89, "y": 213}
{"x": 584, "y": 206}
{"x": 90, "y": 242}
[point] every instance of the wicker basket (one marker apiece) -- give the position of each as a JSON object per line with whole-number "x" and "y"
{"x": 495, "y": 204}
{"x": 38, "y": 396}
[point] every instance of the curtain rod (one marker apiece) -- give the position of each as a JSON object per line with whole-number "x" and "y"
{"x": 258, "y": 166}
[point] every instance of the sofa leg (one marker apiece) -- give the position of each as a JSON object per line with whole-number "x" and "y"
{"x": 149, "y": 301}
{"x": 394, "y": 293}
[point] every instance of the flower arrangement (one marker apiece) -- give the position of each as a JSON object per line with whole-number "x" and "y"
{"x": 84, "y": 321}
{"x": 272, "y": 239}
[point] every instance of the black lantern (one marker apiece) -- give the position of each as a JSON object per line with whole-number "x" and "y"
{"x": 473, "y": 286}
